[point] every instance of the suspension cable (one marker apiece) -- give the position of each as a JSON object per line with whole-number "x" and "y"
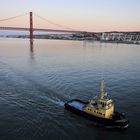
{"x": 10, "y": 18}
{"x": 61, "y": 26}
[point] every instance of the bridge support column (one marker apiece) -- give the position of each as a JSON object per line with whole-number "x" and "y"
{"x": 31, "y": 27}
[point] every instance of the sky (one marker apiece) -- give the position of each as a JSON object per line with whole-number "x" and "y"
{"x": 85, "y": 15}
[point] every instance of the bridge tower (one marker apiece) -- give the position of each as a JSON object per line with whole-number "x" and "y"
{"x": 31, "y": 26}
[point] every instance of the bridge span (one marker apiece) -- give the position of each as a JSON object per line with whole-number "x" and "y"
{"x": 42, "y": 30}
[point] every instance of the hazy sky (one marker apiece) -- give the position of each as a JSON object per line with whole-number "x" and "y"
{"x": 90, "y": 15}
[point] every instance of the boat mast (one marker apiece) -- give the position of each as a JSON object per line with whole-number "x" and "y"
{"x": 102, "y": 86}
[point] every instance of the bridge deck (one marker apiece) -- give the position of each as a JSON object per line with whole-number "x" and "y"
{"x": 41, "y": 29}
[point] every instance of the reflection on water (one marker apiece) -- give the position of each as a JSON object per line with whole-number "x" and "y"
{"x": 32, "y": 46}
{"x": 36, "y": 80}
{"x": 31, "y": 49}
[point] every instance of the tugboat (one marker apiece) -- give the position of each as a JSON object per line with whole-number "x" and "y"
{"x": 100, "y": 109}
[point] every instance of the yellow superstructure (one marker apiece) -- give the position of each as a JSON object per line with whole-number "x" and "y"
{"x": 101, "y": 105}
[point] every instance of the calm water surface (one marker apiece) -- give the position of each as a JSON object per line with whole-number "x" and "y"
{"x": 36, "y": 82}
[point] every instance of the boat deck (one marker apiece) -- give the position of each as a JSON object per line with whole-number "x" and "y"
{"x": 76, "y": 104}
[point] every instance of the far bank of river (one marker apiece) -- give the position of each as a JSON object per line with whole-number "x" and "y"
{"x": 79, "y": 37}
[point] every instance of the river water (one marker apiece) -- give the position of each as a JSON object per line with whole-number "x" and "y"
{"x": 36, "y": 82}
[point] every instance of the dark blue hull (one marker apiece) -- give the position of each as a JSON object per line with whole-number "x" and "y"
{"x": 118, "y": 120}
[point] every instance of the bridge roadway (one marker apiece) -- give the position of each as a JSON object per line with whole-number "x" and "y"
{"x": 42, "y": 30}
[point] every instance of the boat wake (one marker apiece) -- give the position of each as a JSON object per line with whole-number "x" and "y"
{"x": 35, "y": 88}
{"x": 55, "y": 101}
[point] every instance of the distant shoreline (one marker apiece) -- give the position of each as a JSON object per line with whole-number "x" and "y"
{"x": 69, "y": 37}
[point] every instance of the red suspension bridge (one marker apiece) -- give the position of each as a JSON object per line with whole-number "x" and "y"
{"x": 31, "y": 28}
{"x": 129, "y": 37}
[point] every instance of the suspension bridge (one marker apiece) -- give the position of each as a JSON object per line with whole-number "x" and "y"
{"x": 122, "y": 37}
{"x": 31, "y": 28}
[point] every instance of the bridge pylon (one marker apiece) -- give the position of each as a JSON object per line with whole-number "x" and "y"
{"x": 31, "y": 26}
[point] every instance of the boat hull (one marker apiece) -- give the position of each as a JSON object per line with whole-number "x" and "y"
{"x": 118, "y": 121}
